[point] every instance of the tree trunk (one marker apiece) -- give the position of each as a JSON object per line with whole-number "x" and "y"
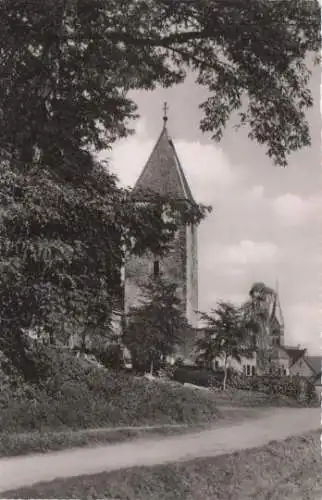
{"x": 225, "y": 374}
{"x": 83, "y": 342}
{"x": 51, "y": 337}
{"x": 151, "y": 368}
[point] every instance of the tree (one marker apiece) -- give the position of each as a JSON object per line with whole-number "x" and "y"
{"x": 227, "y": 336}
{"x": 207, "y": 349}
{"x": 66, "y": 77}
{"x": 156, "y": 326}
{"x": 62, "y": 248}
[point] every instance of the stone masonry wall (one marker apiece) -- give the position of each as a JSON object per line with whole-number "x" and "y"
{"x": 192, "y": 275}
{"x": 172, "y": 266}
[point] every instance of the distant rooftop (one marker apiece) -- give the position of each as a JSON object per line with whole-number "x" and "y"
{"x": 294, "y": 353}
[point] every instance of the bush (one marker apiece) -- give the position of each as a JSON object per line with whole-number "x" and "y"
{"x": 297, "y": 388}
{"x": 111, "y": 356}
{"x": 73, "y": 395}
{"x": 311, "y": 396}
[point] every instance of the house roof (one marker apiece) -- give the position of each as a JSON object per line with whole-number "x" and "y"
{"x": 294, "y": 353}
{"x": 163, "y": 173}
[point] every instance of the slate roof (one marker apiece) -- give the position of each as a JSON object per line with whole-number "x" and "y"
{"x": 163, "y": 173}
{"x": 294, "y": 353}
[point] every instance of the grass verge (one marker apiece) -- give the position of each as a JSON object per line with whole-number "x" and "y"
{"x": 23, "y": 443}
{"x": 44, "y": 442}
{"x": 289, "y": 469}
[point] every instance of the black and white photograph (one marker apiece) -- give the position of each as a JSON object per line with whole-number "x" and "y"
{"x": 160, "y": 249}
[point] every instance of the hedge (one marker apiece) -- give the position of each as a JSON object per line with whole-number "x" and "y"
{"x": 298, "y": 388}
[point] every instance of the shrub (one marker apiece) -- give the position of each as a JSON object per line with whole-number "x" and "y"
{"x": 111, "y": 356}
{"x": 296, "y": 388}
{"x": 311, "y": 396}
{"x": 74, "y": 396}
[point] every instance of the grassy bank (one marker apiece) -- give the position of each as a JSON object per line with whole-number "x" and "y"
{"x": 24, "y": 443}
{"x": 75, "y": 397}
{"x": 16, "y": 444}
{"x": 71, "y": 396}
{"x": 289, "y": 469}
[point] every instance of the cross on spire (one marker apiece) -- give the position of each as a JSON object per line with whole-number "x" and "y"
{"x": 165, "y": 110}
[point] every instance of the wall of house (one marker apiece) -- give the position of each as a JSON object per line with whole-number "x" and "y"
{"x": 318, "y": 390}
{"x": 241, "y": 367}
{"x": 282, "y": 361}
{"x": 301, "y": 368}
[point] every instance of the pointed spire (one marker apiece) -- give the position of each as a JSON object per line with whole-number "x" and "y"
{"x": 165, "y": 111}
{"x": 163, "y": 172}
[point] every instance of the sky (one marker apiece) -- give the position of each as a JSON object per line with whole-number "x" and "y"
{"x": 266, "y": 220}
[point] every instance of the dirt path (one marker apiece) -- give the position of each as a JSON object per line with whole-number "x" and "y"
{"x": 278, "y": 424}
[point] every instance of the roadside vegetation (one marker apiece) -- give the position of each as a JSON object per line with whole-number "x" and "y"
{"x": 78, "y": 404}
{"x": 24, "y": 443}
{"x": 288, "y": 470}
{"x": 73, "y": 395}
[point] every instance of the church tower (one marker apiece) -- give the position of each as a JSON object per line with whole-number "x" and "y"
{"x": 163, "y": 174}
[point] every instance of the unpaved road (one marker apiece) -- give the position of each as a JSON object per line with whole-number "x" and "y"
{"x": 277, "y": 424}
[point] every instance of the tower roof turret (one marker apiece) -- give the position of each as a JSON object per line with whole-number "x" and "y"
{"x": 163, "y": 173}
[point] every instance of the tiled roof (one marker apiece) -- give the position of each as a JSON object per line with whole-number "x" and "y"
{"x": 163, "y": 173}
{"x": 294, "y": 353}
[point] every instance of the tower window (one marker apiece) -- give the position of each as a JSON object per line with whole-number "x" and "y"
{"x": 156, "y": 268}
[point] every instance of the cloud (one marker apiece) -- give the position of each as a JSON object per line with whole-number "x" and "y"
{"x": 256, "y": 193}
{"x": 129, "y": 155}
{"x": 226, "y": 272}
{"x": 293, "y": 210}
{"x": 249, "y": 252}
{"x": 207, "y": 168}
{"x": 303, "y": 325}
